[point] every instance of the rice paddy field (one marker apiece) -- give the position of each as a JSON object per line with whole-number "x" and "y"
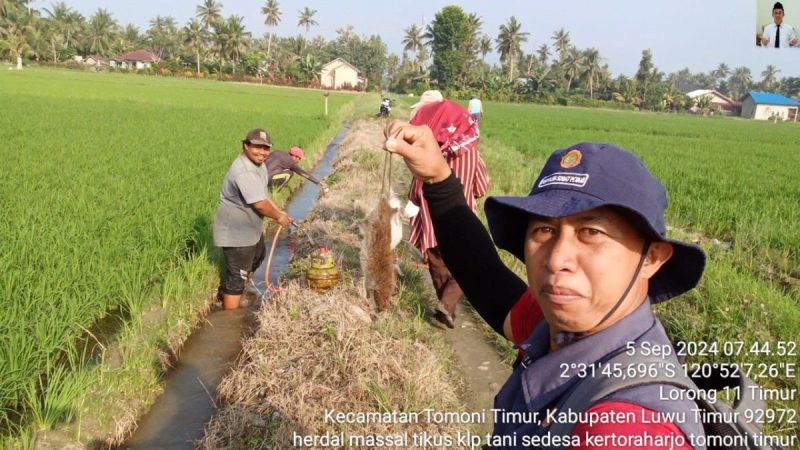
{"x": 108, "y": 186}
{"x": 108, "y": 189}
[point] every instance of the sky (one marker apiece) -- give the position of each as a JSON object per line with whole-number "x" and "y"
{"x": 698, "y": 34}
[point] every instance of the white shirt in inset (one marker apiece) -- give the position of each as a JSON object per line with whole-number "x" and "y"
{"x": 787, "y": 34}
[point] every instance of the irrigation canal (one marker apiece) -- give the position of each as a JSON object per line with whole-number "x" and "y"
{"x": 177, "y": 418}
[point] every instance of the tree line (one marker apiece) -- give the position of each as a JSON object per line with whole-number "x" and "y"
{"x": 449, "y": 53}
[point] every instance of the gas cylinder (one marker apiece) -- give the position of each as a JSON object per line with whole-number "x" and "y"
{"x": 323, "y": 273}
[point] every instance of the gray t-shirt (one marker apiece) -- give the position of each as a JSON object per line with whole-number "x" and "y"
{"x": 236, "y": 223}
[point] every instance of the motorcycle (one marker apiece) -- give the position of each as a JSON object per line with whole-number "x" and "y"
{"x": 386, "y": 108}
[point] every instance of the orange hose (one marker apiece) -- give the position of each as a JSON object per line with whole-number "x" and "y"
{"x": 269, "y": 260}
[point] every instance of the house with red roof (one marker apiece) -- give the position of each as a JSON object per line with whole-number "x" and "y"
{"x": 138, "y": 59}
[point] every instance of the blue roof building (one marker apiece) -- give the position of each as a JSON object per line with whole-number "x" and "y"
{"x": 769, "y": 106}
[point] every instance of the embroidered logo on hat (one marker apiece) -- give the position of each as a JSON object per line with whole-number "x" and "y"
{"x": 571, "y": 159}
{"x": 262, "y": 135}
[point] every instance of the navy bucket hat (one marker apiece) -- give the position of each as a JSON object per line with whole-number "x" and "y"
{"x": 589, "y": 175}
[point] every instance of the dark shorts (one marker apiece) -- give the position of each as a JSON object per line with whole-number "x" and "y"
{"x": 239, "y": 261}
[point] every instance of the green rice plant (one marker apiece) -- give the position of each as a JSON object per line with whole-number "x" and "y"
{"x": 113, "y": 182}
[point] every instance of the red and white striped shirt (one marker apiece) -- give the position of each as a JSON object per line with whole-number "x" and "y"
{"x": 457, "y": 134}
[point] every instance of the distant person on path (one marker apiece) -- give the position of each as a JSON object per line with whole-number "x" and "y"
{"x": 476, "y": 108}
{"x": 592, "y": 236}
{"x": 457, "y": 138}
{"x": 238, "y": 223}
{"x": 778, "y": 34}
{"x": 281, "y": 165}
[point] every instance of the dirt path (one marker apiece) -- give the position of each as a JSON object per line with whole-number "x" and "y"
{"x": 483, "y": 370}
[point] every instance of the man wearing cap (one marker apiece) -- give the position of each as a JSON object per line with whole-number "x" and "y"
{"x": 457, "y": 136}
{"x": 281, "y": 165}
{"x": 778, "y": 34}
{"x": 238, "y": 223}
{"x": 592, "y": 236}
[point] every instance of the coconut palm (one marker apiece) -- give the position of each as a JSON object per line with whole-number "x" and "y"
{"x": 62, "y": 27}
{"x": 542, "y": 54}
{"x": 272, "y": 17}
{"x": 740, "y": 81}
{"x": 573, "y": 64}
{"x": 508, "y": 43}
{"x": 126, "y": 41}
{"x": 101, "y": 30}
{"x": 591, "y": 65}
{"x": 561, "y": 42}
{"x": 413, "y": 41}
{"x": 209, "y": 12}
{"x": 163, "y": 36}
{"x": 769, "y": 77}
{"x": 721, "y": 72}
{"x": 485, "y": 46}
{"x": 238, "y": 38}
{"x": 306, "y": 19}
{"x": 194, "y": 35}
{"x": 14, "y": 34}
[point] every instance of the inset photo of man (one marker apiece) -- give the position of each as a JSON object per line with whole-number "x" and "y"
{"x": 773, "y": 30}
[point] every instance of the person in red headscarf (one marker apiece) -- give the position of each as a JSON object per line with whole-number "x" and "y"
{"x": 457, "y": 134}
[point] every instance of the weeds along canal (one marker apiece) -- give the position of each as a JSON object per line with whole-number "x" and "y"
{"x": 178, "y": 417}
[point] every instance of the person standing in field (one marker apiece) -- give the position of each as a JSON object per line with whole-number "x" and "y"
{"x": 778, "y": 34}
{"x": 281, "y": 166}
{"x": 592, "y": 236}
{"x": 457, "y": 137}
{"x": 238, "y": 223}
{"x": 475, "y": 108}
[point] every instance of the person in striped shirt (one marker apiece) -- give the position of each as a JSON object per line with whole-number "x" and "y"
{"x": 457, "y": 134}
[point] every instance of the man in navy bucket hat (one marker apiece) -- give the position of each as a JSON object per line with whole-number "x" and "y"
{"x": 592, "y": 236}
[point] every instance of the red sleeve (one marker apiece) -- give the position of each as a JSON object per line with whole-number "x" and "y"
{"x": 655, "y": 428}
{"x": 524, "y": 316}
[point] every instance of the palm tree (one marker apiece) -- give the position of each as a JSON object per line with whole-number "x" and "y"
{"x": 412, "y": 41}
{"x": 101, "y": 30}
{"x": 591, "y": 65}
{"x": 740, "y": 81}
{"x": 163, "y": 36}
{"x": 15, "y": 32}
{"x": 508, "y": 43}
{"x": 219, "y": 39}
{"x": 128, "y": 40}
{"x": 721, "y": 72}
{"x": 543, "y": 53}
{"x": 561, "y": 42}
{"x": 238, "y": 38}
{"x": 272, "y": 17}
{"x": 485, "y": 46}
{"x": 209, "y": 12}
{"x": 59, "y": 16}
{"x": 769, "y": 77}
{"x": 194, "y": 35}
{"x": 307, "y": 19}
{"x": 573, "y": 63}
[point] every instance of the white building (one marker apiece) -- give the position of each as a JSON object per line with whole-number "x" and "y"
{"x": 339, "y": 74}
{"x": 768, "y": 106}
{"x": 139, "y": 59}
